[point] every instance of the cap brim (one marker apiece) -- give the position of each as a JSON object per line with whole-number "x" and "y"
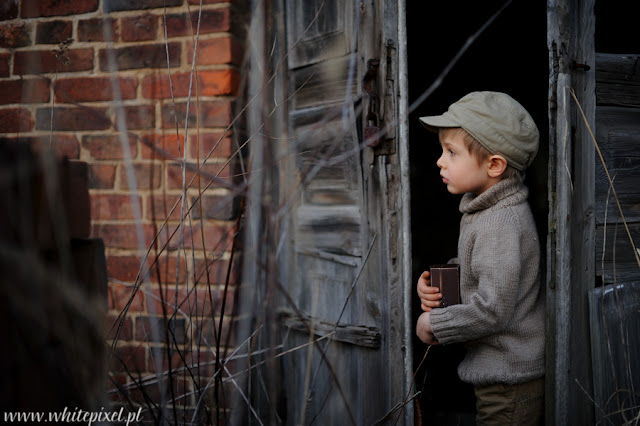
{"x": 434, "y": 122}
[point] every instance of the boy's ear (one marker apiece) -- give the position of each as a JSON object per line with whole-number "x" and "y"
{"x": 497, "y": 165}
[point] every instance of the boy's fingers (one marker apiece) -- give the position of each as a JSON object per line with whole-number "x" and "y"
{"x": 429, "y": 303}
{"x": 425, "y": 288}
{"x": 430, "y": 294}
{"x": 424, "y": 277}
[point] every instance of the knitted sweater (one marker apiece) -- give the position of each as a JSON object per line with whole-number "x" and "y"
{"x": 502, "y": 314}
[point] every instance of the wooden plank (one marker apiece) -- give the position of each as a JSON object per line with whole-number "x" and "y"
{"x": 615, "y": 259}
{"x": 324, "y": 289}
{"x": 90, "y": 266}
{"x": 323, "y": 83}
{"x": 315, "y": 386}
{"x": 625, "y": 175}
{"x": 618, "y": 136}
{"x": 615, "y": 326}
{"x": 329, "y": 216}
{"x": 334, "y": 229}
{"x": 618, "y": 79}
{"x": 77, "y": 199}
{"x": 361, "y": 335}
{"x": 318, "y": 30}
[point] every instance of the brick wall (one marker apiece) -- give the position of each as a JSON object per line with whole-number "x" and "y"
{"x": 56, "y": 90}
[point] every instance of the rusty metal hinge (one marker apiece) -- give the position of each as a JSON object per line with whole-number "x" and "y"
{"x": 380, "y": 127}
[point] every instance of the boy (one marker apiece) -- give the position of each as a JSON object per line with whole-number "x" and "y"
{"x": 488, "y": 139}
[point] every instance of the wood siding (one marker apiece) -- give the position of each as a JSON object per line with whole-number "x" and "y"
{"x": 614, "y": 305}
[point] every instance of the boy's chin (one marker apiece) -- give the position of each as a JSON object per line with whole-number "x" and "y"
{"x": 453, "y": 191}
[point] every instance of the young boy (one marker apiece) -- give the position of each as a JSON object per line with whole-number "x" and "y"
{"x": 488, "y": 140}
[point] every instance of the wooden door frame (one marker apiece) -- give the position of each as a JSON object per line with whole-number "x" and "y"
{"x": 404, "y": 239}
{"x": 571, "y": 243}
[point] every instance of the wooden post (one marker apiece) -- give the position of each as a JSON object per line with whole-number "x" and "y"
{"x": 571, "y": 248}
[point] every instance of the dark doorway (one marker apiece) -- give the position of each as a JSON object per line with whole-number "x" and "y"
{"x": 509, "y": 56}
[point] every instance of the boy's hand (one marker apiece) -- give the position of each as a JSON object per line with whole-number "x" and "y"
{"x": 429, "y": 296}
{"x": 423, "y": 329}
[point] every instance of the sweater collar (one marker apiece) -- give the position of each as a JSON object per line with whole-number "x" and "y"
{"x": 508, "y": 191}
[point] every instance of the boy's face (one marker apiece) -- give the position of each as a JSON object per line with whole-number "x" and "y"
{"x": 460, "y": 171}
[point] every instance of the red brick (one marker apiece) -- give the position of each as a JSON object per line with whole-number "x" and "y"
{"x": 148, "y": 176}
{"x": 102, "y": 176}
{"x": 212, "y": 114}
{"x": 15, "y": 120}
{"x": 141, "y": 56}
{"x": 129, "y": 358}
{"x": 139, "y": 28}
{"x": 163, "y": 271}
{"x": 213, "y": 143}
{"x": 115, "y": 322}
{"x": 156, "y": 329}
{"x": 140, "y": 117}
{"x": 216, "y": 83}
{"x": 45, "y": 61}
{"x": 15, "y": 35}
{"x": 74, "y": 118}
{"x": 123, "y": 268}
{"x": 62, "y": 145}
{"x": 159, "y": 207}
{"x": 107, "y": 147}
{"x": 122, "y": 294}
{"x": 221, "y": 50}
{"x": 93, "y": 29}
{"x": 207, "y": 172}
{"x": 53, "y": 32}
{"x": 211, "y": 21}
{"x": 217, "y": 238}
{"x": 38, "y": 8}
{"x": 159, "y": 86}
{"x": 210, "y": 83}
{"x": 162, "y": 146}
{"x": 8, "y": 10}
{"x": 24, "y": 91}
{"x": 122, "y": 236}
{"x": 114, "y": 206}
{"x": 4, "y": 64}
{"x": 88, "y": 89}
{"x": 119, "y": 5}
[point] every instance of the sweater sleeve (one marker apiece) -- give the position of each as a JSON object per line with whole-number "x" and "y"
{"x": 495, "y": 267}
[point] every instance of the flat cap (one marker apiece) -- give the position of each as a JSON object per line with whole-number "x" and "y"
{"x": 497, "y": 121}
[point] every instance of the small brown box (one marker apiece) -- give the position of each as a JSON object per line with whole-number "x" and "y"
{"x": 447, "y": 279}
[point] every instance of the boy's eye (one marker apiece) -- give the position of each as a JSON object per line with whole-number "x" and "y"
{"x": 451, "y": 152}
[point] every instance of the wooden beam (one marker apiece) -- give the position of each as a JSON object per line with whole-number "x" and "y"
{"x": 570, "y": 251}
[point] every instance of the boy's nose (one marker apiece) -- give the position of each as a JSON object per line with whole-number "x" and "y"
{"x": 440, "y": 163}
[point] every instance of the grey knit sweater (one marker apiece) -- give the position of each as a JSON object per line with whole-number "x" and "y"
{"x": 502, "y": 315}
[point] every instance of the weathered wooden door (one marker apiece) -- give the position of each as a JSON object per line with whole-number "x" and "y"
{"x": 343, "y": 261}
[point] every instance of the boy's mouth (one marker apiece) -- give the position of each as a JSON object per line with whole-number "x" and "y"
{"x": 444, "y": 179}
